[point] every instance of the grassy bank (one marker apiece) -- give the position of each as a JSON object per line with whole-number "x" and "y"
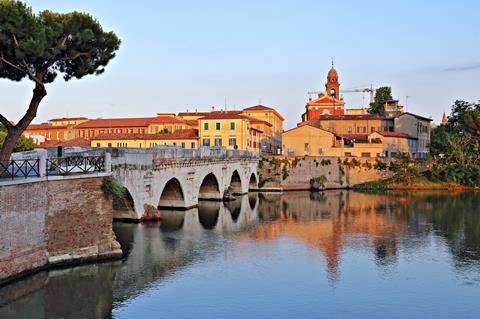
{"x": 416, "y": 183}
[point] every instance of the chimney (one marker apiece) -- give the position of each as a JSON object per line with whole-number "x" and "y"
{"x": 213, "y": 108}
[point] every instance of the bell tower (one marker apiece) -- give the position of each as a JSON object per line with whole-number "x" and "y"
{"x": 332, "y": 86}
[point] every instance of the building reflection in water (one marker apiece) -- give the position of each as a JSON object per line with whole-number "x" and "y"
{"x": 330, "y": 224}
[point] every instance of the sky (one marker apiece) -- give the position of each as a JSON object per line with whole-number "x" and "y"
{"x": 186, "y": 55}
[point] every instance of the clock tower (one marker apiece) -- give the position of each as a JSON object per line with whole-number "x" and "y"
{"x": 332, "y": 86}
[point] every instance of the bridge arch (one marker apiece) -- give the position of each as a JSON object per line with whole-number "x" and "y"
{"x": 253, "y": 183}
{"x": 124, "y": 207}
{"x": 236, "y": 183}
{"x": 208, "y": 213}
{"x": 172, "y": 195}
{"x": 209, "y": 188}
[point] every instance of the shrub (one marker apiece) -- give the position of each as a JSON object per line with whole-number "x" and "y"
{"x": 112, "y": 188}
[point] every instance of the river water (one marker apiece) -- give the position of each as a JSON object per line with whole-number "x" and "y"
{"x": 337, "y": 254}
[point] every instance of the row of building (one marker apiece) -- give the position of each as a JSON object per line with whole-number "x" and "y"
{"x": 257, "y": 128}
{"x": 326, "y": 129}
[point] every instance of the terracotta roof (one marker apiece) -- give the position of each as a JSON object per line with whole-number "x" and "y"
{"x": 177, "y": 135}
{"x": 167, "y": 120}
{"x": 79, "y": 142}
{"x": 225, "y": 115}
{"x": 191, "y": 122}
{"x": 69, "y": 119}
{"x": 44, "y": 126}
{"x": 193, "y": 113}
{"x": 118, "y": 122}
{"x": 258, "y": 108}
{"x": 129, "y": 122}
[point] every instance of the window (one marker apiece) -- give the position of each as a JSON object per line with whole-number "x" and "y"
{"x": 232, "y": 141}
{"x": 98, "y": 144}
{"x": 361, "y": 129}
{"x": 193, "y": 145}
{"x": 365, "y": 154}
{"x": 349, "y": 130}
{"x": 178, "y": 127}
{"x": 348, "y": 154}
{"x": 372, "y": 129}
{"x": 183, "y": 144}
{"x": 109, "y": 144}
{"x": 393, "y": 154}
{"x": 218, "y": 140}
{"x": 254, "y": 144}
{"x": 206, "y": 141}
{"x": 174, "y": 143}
{"x": 306, "y": 147}
{"x": 218, "y": 126}
{"x": 232, "y": 125}
{"x": 205, "y": 126}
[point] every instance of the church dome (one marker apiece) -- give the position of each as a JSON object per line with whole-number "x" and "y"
{"x": 332, "y": 73}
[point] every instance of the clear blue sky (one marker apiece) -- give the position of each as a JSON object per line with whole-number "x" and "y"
{"x": 179, "y": 55}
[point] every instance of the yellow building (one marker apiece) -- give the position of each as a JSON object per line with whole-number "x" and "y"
{"x": 229, "y": 129}
{"x": 273, "y": 133}
{"x": 182, "y": 138}
{"x": 309, "y": 140}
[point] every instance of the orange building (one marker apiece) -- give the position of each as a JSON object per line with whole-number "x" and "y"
{"x": 48, "y": 132}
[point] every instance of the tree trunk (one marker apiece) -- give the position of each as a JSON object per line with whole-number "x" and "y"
{"x": 15, "y": 131}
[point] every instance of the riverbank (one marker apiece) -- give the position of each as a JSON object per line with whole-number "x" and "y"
{"x": 416, "y": 183}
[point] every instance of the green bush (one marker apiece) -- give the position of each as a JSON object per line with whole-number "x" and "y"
{"x": 112, "y": 188}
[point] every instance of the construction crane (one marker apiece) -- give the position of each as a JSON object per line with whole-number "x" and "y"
{"x": 370, "y": 90}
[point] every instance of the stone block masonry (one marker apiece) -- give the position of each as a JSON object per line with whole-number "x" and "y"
{"x": 294, "y": 173}
{"x": 50, "y": 223}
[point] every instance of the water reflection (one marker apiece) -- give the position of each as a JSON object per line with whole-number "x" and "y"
{"x": 339, "y": 228}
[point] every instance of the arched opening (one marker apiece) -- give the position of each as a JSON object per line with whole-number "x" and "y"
{"x": 208, "y": 213}
{"x": 236, "y": 183}
{"x": 209, "y": 190}
{"x": 253, "y": 184}
{"x": 172, "y": 196}
{"x": 172, "y": 220}
{"x": 252, "y": 200}
{"x": 235, "y": 207}
{"x": 124, "y": 208}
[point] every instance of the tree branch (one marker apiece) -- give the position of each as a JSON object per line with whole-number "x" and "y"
{"x": 11, "y": 64}
{"x": 6, "y": 122}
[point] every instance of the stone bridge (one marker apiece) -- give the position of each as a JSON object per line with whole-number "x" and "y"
{"x": 175, "y": 178}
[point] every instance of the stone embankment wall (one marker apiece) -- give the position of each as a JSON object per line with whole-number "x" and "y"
{"x": 54, "y": 223}
{"x": 294, "y": 173}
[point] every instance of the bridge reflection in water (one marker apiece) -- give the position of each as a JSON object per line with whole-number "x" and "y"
{"x": 336, "y": 227}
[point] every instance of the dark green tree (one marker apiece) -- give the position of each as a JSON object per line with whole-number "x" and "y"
{"x": 23, "y": 144}
{"x": 455, "y": 147}
{"x": 39, "y": 47}
{"x": 382, "y": 95}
